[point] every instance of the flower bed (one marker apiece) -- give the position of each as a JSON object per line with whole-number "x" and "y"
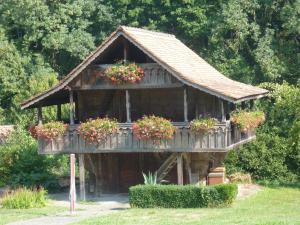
{"x": 153, "y": 128}
{"x": 96, "y": 131}
{"x": 247, "y": 120}
{"x": 203, "y": 125}
{"x": 124, "y": 73}
{"x": 48, "y": 131}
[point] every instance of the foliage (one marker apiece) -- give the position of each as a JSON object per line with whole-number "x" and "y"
{"x": 150, "y": 178}
{"x": 153, "y": 128}
{"x": 203, "y": 125}
{"x": 124, "y": 73}
{"x": 177, "y": 196}
{"x": 24, "y": 198}
{"x": 96, "y": 131}
{"x": 275, "y": 155}
{"x": 49, "y": 131}
{"x": 21, "y": 165}
{"x": 247, "y": 120}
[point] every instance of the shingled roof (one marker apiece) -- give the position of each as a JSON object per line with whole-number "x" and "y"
{"x": 175, "y": 57}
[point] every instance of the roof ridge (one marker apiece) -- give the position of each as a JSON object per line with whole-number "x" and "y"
{"x": 145, "y": 31}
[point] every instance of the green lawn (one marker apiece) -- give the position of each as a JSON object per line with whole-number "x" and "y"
{"x": 12, "y": 215}
{"x": 270, "y": 206}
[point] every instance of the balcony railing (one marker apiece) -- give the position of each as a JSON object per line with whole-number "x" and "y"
{"x": 222, "y": 139}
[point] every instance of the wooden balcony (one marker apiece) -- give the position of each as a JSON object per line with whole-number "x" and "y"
{"x": 224, "y": 138}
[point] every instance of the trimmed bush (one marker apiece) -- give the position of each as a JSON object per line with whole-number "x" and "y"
{"x": 24, "y": 198}
{"x": 175, "y": 196}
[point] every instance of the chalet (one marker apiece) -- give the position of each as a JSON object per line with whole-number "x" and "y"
{"x": 177, "y": 85}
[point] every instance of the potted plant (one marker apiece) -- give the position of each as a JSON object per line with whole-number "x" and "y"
{"x": 153, "y": 128}
{"x": 247, "y": 120}
{"x": 203, "y": 125}
{"x": 48, "y": 131}
{"x": 124, "y": 73}
{"x": 95, "y": 131}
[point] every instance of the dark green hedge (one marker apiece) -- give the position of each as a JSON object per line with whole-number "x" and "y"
{"x": 176, "y": 196}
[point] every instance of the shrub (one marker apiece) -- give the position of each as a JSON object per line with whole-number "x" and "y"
{"x": 153, "y": 128}
{"x": 24, "y": 198}
{"x": 247, "y": 120}
{"x": 175, "y": 196}
{"x": 203, "y": 125}
{"x": 48, "y": 131}
{"x": 96, "y": 131}
{"x": 124, "y": 73}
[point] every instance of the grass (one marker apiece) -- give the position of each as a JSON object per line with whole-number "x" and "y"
{"x": 12, "y": 215}
{"x": 272, "y": 206}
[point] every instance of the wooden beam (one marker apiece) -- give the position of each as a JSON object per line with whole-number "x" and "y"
{"x": 58, "y": 112}
{"x": 179, "y": 169}
{"x": 128, "y": 115}
{"x": 72, "y": 184}
{"x": 223, "y": 116}
{"x": 188, "y": 165}
{"x": 40, "y": 115}
{"x": 185, "y": 104}
{"x": 71, "y": 107}
{"x": 125, "y": 50}
{"x": 82, "y": 177}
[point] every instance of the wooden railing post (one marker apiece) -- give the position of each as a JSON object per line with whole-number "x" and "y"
{"x": 128, "y": 115}
{"x": 185, "y": 104}
{"x": 71, "y": 107}
{"x": 223, "y": 116}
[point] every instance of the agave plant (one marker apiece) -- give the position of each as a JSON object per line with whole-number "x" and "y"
{"x": 150, "y": 178}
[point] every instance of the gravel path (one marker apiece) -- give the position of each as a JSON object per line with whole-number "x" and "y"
{"x": 101, "y": 206}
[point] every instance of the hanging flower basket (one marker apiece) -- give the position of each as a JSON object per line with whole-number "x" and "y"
{"x": 203, "y": 125}
{"x": 124, "y": 73}
{"x": 247, "y": 120}
{"x": 48, "y": 131}
{"x": 96, "y": 131}
{"x": 153, "y": 128}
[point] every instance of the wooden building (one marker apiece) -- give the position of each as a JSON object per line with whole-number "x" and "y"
{"x": 178, "y": 85}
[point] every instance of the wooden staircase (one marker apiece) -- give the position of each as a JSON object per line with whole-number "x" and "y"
{"x": 166, "y": 167}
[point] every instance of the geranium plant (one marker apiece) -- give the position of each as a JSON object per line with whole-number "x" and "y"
{"x": 153, "y": 128}
{"x": 95, "y": 131}
{"x": 48, "y": 131}
{"x": 203, "y": 125}
{"x": 247, "y": 120}
{"x": 124, "y": 73}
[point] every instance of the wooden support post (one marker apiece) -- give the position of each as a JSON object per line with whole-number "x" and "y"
{"x": 40, "y": 115}
{"x": 243, "y": 104}
{"x": 71, "y": 108}
{"x": 128, "y": 115}
{"x": 223, "y": 116}
{"x": 252, "y": 104}
{"x": 126, "y": 51}
{"x": 82, "y": 177}
{"x": 58, "y": 112}
{"x": 72, "y": 184}
{"x": 185, "y": 104}
{"x": 188, "y": 165}
{"x": 179, "y": 169}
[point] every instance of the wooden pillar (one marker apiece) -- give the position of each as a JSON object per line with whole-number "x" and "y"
{"x": 187, "y": 157}
{"x": 58, "y": 112}
{"x": 128, "y": 115}
{"x": 82, "y": 177}
{"x": 72, "y": 184}
{"x": 223, "y": 116}
{"x": 179, "y": 169}
{"x": 243, "y": 104}
{"x": 71, "y": 107}
{"x": 251, "y": 104}
{"x": 185, "y": 104}
{"x": 40, "y": 115}
{"x": 125, "y": 50}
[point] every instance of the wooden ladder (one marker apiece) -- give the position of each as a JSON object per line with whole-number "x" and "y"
{"x": 165, "y": 168}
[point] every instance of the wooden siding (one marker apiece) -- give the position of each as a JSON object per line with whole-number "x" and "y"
{"x": 155, "y": 77}
{"x": 221, "y": 140}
